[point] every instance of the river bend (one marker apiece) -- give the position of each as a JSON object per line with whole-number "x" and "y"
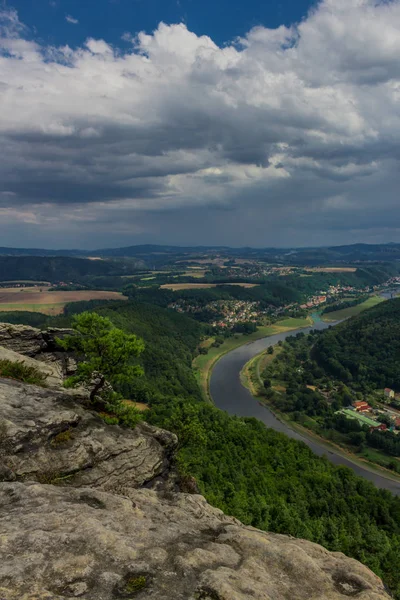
{"x": 228, "y": 394}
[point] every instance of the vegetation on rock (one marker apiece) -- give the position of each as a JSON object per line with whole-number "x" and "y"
{"x": 22, "y": 372}
{"x": 106, "y": 351}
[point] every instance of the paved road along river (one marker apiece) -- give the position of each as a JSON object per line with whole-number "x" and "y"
{"x": 228, "y": 394}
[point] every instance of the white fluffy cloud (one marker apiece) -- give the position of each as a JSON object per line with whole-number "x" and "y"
{"x": 287, "y": 136}
{"x": 71, "y": 20}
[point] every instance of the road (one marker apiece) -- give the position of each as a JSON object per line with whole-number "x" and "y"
{"x": 228, "y": 394}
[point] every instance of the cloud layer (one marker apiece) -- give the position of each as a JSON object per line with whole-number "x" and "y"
{"x": 286, "y": 136}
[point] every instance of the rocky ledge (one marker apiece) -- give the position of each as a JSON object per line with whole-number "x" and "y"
{"x": 49, "y": 437}
{"x": 78, "y": 520}
{"x": 32, "y": 344}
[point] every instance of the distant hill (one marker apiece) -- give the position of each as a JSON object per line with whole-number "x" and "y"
{"x": 296, "y": 256}
{"x": 4, "y": 251}
{"x": 59, "y": 268}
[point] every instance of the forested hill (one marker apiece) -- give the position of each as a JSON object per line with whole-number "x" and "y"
{"x": 59, "y": 268}
{"x": 364, "y": 350}
{"x": 171, "y": 340}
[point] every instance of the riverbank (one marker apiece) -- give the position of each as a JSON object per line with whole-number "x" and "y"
{"x": 204, "y": 363}
{"x": 229, "y": 394}
{"x": 352, "y": 311}
{"x": 250, "y": 377}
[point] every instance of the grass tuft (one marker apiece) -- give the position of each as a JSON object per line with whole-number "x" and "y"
{"x": 22, "y": 372}
{"x": 135, "y": 584}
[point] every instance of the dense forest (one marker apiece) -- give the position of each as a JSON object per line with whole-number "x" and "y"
{"x": 365, "y": 350}
{"x": 260, "y": 476}
{"x": 62, "y": 268}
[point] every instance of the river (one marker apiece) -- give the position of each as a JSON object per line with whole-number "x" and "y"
{"x": 228, "y": 394}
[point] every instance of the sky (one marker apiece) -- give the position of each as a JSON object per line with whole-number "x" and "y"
{"x": 191, "y": 122}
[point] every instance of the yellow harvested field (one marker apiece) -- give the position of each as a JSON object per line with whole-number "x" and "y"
{"x": 138, "y": 405}
{"x": 40, "y": 299}
{"x": 199, "y": 286}
{"x": 195, "y": 273}
{"x": 204, "y": 261}
{"x": 332, "y": 269}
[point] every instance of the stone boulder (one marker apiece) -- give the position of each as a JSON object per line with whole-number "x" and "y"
{"x": 22, "y": 339}
{"x": 63, "y": 543}
{"x": 49, "y": 436}
{"x": 52, "y": 371}
{"x": 39, "y": 345}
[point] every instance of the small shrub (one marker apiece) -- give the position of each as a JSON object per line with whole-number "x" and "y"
{"x": 62, "y": 438}
{"x": 135, "y": 584}
{"x": 129, "y": 415}
{"x": 52, "y": 478}
{"x": 109, "y": 419}
{"x": 124, "y": 413}
{"x": 22, "y": 372}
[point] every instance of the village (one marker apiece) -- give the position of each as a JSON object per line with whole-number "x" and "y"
{"x": 226, "y": 314}
{"x": 377, "y": 418}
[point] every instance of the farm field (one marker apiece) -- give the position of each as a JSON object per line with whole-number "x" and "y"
{"x": 3, "y": 284}
{"x": 40, "y": 299}
{"x": 332, "y": 269}
{"x": 194, "y": 272}
{"x": 345, "y": 313}
{"x": 198, "y": 286}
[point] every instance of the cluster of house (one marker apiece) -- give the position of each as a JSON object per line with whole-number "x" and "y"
{"x": 314, "y": 301}
{"x": 369, "y": 415}
{"x": 332, "y": 292}
{"x": 228, "y": 312}
{"x": 394, "y": 281}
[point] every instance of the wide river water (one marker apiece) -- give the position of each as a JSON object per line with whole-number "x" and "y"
{"x": 228, "y": 394}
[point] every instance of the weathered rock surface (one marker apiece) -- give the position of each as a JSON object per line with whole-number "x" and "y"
{"x": 102, "y": 534}
{"x": 22, "y": 339}
{"x": 59, "y": 543}
{"x": 48, "y": 436}
{"x": 39, "y": 345}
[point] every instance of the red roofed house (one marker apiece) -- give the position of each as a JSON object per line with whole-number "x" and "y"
{"x": 361, "y": 406}
{"x": 380, "y": 427}
{"x": 388, "y": 393}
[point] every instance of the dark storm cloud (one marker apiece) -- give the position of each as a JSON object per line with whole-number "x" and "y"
{"x": 287, "y": 136}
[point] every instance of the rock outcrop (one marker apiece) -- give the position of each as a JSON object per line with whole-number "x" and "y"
{"x": 52, "y": 371}
{"x": 22, "y": 339}
{"x": 39, "y": 345}
{"x": 48, "y": 436}
{"x": 92, "y": 511}
{"x": 59, "y": 543}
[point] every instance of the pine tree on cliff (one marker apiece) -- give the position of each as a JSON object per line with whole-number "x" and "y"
{"x": 107, "y": 352}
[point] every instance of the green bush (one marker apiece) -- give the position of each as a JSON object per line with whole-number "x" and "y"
{"x": 22, "y": 372}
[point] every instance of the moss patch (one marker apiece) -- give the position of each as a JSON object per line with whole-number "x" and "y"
{"x": 62, "y": 438}
{"x": 132, "y": 584}
{"x": 135, "y": 584}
